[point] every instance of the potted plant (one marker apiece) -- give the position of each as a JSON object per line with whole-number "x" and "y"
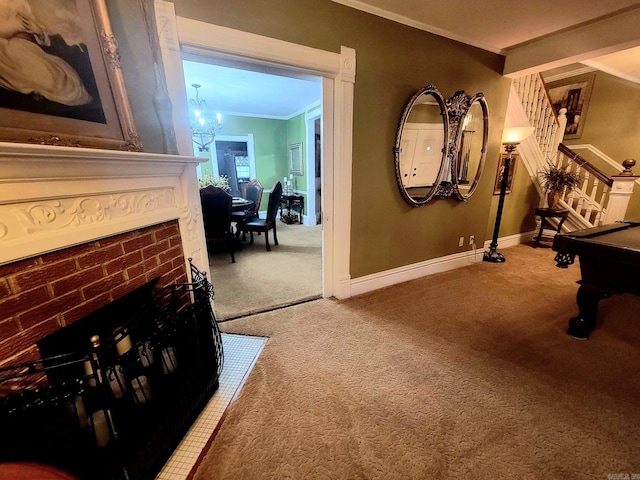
{"x": 556, "y": 180}
{"x": 220, "y": 182}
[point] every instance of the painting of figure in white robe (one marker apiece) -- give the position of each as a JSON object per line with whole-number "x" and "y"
{"x": 44, "y": 64}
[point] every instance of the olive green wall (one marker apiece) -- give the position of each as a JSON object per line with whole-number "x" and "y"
{"x": 425, "y": 114}
{"x": 611, "y": 125}
{"x": 393, "y": 62}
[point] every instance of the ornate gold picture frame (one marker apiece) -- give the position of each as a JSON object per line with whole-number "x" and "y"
{"x": 574, "y": 94}
{"x": 60, "y": 77}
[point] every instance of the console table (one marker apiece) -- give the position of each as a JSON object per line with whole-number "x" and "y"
{"x": 545, "y": 214}
{"x": 291, "y": 202}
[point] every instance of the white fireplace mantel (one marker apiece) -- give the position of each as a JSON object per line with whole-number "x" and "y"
{"x": 56, "y": 197}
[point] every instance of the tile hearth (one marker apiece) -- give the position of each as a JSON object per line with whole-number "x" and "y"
{"x": 240, "y": 355}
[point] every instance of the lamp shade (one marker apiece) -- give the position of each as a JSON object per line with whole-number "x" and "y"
{"x": 515, "y": 135}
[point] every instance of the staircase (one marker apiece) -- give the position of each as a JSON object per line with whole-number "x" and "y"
{"x": 599, "y": 199}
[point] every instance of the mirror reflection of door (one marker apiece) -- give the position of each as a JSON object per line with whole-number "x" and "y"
{"x": 421, "y": 154}
{"x": 421, "y": 146}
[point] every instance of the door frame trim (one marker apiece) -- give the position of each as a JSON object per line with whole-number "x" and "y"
{"x": 309, "y": 121}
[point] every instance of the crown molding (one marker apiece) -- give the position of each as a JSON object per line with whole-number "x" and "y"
{"x": 416, "y": 24}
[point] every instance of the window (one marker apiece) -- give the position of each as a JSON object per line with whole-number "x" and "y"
{"x": 242, "y": 168}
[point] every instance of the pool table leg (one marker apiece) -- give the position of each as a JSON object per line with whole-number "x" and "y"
{"x": 588, "y": 299}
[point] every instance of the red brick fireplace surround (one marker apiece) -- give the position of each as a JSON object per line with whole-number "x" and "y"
{"x": 81, "y": 227}
{"x": 42, "y": 294}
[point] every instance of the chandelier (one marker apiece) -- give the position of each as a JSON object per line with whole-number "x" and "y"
{"x": 202, "y": 131}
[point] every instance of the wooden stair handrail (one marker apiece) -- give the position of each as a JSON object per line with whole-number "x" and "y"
{"x": 593, "y": 201}
{"x": 562, "y": 148}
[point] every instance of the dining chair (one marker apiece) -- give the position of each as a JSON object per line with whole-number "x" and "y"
{"x": 265, "y": 224}
{"x": 216, "y": 211}
{"x": 253, "y": 191}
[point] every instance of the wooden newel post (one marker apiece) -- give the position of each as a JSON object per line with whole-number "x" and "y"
{"x": 620, "y": 193}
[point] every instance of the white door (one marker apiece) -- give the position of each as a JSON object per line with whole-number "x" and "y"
{"x": 407, "y": 147}
{"x": 427, "y": 157}
{"x": 421, "y": 154}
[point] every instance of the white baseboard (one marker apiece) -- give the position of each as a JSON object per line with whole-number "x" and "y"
{"x": 394, "y": 276}
{"x": 512, "y": 240}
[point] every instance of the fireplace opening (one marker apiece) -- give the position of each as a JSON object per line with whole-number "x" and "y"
{"x": 114, "y": 392}
{"x": 114, "y": 321}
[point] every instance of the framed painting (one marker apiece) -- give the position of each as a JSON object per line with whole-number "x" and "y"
{"x": 572, "y": 93}
{"x": 500, "y": 172}
{"x": 60, "y": 77}
{"x": 295, "y": 159}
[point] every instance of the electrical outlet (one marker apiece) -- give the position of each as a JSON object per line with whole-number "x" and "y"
{"x": 461, "y": 242}
{"x": 472, "y": 240}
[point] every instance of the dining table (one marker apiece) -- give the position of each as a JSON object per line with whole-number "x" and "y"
{"x": 238, "y": 204}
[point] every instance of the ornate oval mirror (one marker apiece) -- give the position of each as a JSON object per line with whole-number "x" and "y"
{"x": 472, "y": 135}
{"x": 420, "y": 150}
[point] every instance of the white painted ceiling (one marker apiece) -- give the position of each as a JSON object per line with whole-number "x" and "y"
{"x": 250, "y": 90}
{"x": 624, "y": 64}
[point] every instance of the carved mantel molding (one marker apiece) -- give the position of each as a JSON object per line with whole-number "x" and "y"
{"x": 53, "y": 197}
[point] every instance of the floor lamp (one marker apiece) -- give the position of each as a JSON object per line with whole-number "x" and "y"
{"x": 511, "y": 137}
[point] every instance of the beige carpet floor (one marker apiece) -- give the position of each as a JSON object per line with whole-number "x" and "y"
{"x": 467, "y": 374}
{"x": 260, "y": 280}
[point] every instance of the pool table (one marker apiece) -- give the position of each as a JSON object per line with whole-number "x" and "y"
{"x": 609, "y": 264}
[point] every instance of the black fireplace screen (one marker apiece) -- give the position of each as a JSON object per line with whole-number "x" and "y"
{"x": 118, "y": 408}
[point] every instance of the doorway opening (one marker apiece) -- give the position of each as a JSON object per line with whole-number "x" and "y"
{"x": 261, "y": 121}
{"x": 337, "y": 71}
